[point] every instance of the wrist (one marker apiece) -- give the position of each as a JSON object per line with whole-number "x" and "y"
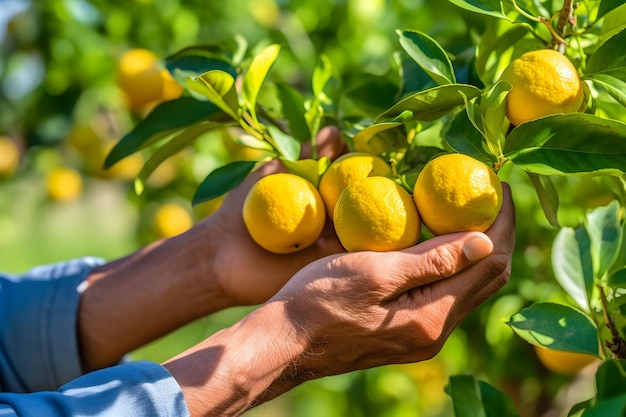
{"x": 242, "y": 366}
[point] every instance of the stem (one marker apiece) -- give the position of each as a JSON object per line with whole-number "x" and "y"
{"x": 617, "y": 344}
{"x": 565, "y": 16}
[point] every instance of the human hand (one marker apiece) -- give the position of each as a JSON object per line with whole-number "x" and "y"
{"x": 247, "y": 273}
{"x": 347, "y": 312}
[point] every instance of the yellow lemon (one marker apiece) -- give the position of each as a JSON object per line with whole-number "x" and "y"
{"x": 457, "y": 193}
{"x": 171, "y": 219}
{"x": 376, "y": 214}
{"x": 347, "y": 169}
{"x": 9, "y": 157}
{"x": 63, "y": 184}
{"x": 563, "y": 362}
{"x": 284, "y": 213}
{"x": 171, "y": 88}
{"x": 139, "y": 77}
{"x": 544, "y": 82}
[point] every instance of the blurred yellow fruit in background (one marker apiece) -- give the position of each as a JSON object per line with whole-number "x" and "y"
{"x": 284, "y": 213}
{"x": 376, "y": 214}
{"x": 544, "y": 82}
{"x": 64, "y": 184}
{"x": 457, "y": 193}
{"x": 9, "y": 157}
{"x": 563, "y": 362}
{"x": 171, "y": 219}
{"x": 139, "y": 77}
{"x": 346, "y": 170}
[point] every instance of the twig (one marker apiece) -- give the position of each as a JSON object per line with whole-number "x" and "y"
{"x": 617, "y": 345}
{"x": 565, "y": 17}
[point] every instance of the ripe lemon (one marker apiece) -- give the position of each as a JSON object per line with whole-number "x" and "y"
{"x": 376, "y": 214}
{"x": 456, "y": 193}
{"x": 563, "y": 362}
{"x": 63, "y": 184}
{"x": 544, "y": 82}
{"x": 284, "y": 213}
{"x": 139, "y": 77}
{"x": 347, "y": 169}
{"x": 9, "y": 157}
{"x": 171, "y": 219}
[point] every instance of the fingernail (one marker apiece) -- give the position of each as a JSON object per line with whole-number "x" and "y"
{"x": 477, "y": 248}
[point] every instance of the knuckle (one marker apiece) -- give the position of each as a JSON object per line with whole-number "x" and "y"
{"x": 444, "y": 261}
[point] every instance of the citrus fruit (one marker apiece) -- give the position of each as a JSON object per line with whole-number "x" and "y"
{"x": 9, "y": 157}
{"x": 457, "y": 193}
{"x": 284, "y": 213}
{"x": 563, "y": 362}
{"x": 63, "y": 184}
{"x": 139, "y": 77}
{"x": 347, "y": 169}
{"x": 171, "y": 219}
{"x": 171, "y": 88}
{"x": 376, "y": 214}
{"x": 544, "y": 82}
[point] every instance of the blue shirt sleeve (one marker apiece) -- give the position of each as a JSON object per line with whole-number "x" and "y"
{"x": 137, "y": 389}
{"x": 38, "y": 340}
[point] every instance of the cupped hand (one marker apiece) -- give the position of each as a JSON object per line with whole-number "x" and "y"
{"x": 247, "y": 273}
{"x": 366, "y": 309}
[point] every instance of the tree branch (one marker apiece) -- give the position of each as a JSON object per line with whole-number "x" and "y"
{"x": 565, "y": 17}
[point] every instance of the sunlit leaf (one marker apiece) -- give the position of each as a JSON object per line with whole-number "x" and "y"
{"x": 487, "y": 7}
{"x": 380, "y": 139}
{"x": 166, "y": 117}
{"x": 488, "y": 114}
{"x": 569, "y": 144}
{"x": 288, "y": 146}
{"x": 222, "y": 180}
{"x": 607, "y": 6}
{"x": 610, "y": 58}
{"x": 310, "y": 169}
{"x": 293, "y": 109}
{"x": 615, "y": 87}
{"x": 605, "y": 234}
{"x": 557, "y": 327}
{"x": 195, "y": 60}
{"x": 174, "y": 145}
{"x": 465, "y": 394}
{"x": 322, "y": 72}
{"x": 429, "y": 55}
{"x": 572, "y": 264}
{"x": 431, "y": 104}
{"x": 464, "y": 138}
{"x": 256, "y": 75}
{"x": 547, "y": 195}
{"x": 219, "y": 87}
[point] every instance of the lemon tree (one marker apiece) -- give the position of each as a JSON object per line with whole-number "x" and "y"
{"x": 405, "y": 91}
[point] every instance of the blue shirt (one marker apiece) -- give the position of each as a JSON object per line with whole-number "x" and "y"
{"x": 40, "y": 371}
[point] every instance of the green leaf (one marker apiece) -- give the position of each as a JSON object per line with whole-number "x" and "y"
{"x": 618, "y": 278}
{"x": 572, "y": 264}
{"x": 607, "y": 6}
{"x": 492, "y": 8}
{"x": 569, "y": 144}
{"x": 256, "y": 75}
{"x": 615, "y": 87}
{"x": 496, "y": 402}
{"x": 363, "y": 138}
{"x": 548, "y": 197}
{"x": 179, "y": 142}
{"x": 610, "y": 379}
{"x": 464, "y": 138}
{"x": 610, "y": 58}
{"x": 222, "y": 180}
{"x": 557, "y": 327}
{"x": 466, "y": 397}
{"x": 431, "y": 104}
{"x": 195, "y": 60}
{"x": 616, "y": 406}
{"x": 166, "y": 117}
{"x": 294, "y": 110}
{"x": 288, "y": 146}
{"x": 605, "y": 233}
{"x": 219, "y": 87}
{"x": 322, "y": 72}
{"x": 488, "y": 114}
{"x": 429, "y": 55}
{"x": 381, "y": 139}
{"x": 310, "y": 169}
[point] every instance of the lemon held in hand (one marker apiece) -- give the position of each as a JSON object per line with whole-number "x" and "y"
{"x": 376, "y": 214}
{"x": 563, "y": 362}
{"x": 284, "y": 213}
{"x": 544, "y": 82}
{"x": 457, "y": 193}
{"x": 347, "y": 169}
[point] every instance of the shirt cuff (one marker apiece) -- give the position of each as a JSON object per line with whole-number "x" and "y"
{"x": 38, "y": 313}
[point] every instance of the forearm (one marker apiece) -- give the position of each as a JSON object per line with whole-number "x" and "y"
{"x": 145, "y": 295}
{"x": 241, "y": 366}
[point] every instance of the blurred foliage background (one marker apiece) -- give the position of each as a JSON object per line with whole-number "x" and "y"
{"x": 61, "y": 109}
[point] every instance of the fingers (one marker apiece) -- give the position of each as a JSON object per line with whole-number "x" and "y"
{"x": 437, "y": 258}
